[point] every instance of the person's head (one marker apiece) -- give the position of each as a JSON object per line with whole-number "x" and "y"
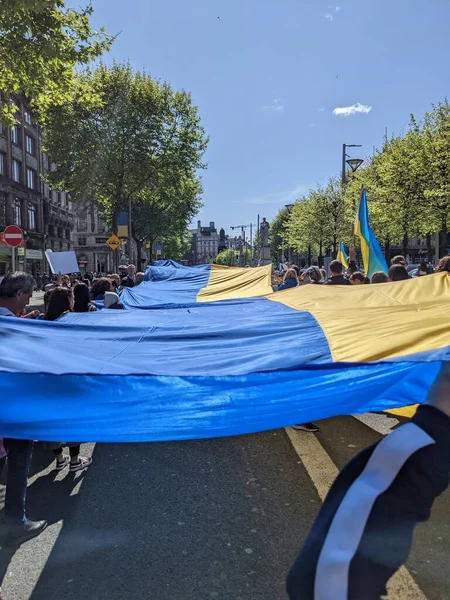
{"x": 101, "y": 286}
{"x": 140, "y": 277}
{"x": 296, "y": 269}
{"x": 423, "y": 269}
{"x": 399, "y": 260}
{"x": 124, "y": 282}
{"x": 122, "y": 271}
{"x": 82, "y": 298}
{"x": 314, "y": 274}
{"x": 131, "y": 270}
{"x": 61, "y": 301}
{"x": 336, "y": 268}
{"x": 115, "y": 280}
{"x": 290, "y": 274}
{"x": 398, "y": 273}
{"x": 443, "y": 265}
{"x": 65, "y": 281}
{"x": 87, "y": 282}
{"x": 379, "y": 277}
{"x": 357, "y": 278}
{"x": 47, "y": 299}
{"x": 16, "y": 290}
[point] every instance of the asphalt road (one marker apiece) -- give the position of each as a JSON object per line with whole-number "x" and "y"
{"x": 196, "y": 520}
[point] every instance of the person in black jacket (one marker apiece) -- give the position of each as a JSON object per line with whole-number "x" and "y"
{"x": 337, "y": 277}
{"x": 363, "y": 532}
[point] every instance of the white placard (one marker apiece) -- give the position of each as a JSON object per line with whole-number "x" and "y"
{"x": 62, "y": 263}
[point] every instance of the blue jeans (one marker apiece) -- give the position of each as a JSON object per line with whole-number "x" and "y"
{"x": 19, "y": 458}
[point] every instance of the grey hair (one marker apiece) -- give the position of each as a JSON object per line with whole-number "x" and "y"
{"x": 15, "y": 282}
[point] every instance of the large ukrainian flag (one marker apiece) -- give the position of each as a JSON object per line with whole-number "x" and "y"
{"x": 213, "y": 351}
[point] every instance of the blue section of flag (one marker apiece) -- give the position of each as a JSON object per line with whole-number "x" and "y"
{"x": 167, "y": 283}
{"x": 122, "y": 218}
{"x": 138, "y": 408}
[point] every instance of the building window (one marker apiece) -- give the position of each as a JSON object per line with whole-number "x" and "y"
{"x": 27, "y": 117}
{"x": 16, "y": 169}
{"x": 2, "y": 210}
{"x": 31, "y": 178}
{"x": 2, "y": 163}
{"x": 17, "y": 212}
{"x": 29, "y": 144}
{"x": 82, "y": 224}
{"x": 15, "y": 135}
{"x": 31, "y": 216}
{"x": 82, "y": 240}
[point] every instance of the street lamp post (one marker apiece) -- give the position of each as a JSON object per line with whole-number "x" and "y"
{"x": 353, "y": 163}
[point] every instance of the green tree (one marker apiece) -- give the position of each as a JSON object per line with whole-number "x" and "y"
{"x": 41, "y": 42}
{"x": 277, "y": 233}
{"x": 433, "y": 161}
{"x": 234, "y": 258}
{"x": 142, "y": 144}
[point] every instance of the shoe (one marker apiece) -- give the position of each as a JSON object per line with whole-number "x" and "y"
{"x": 15, "y": 535}
{"x": 81, "y": 464}
{"x": 309, "y": 427}
{"x": 60, "y": 465}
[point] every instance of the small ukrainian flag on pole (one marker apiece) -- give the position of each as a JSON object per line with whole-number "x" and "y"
{"x": 342, "y": 255}
{"x": 372, "y": 255}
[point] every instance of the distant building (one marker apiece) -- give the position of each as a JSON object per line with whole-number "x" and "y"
{"x": 90, "y": 237}
{"x": 20, "y": 190}
{"x": 205, "y": 244}
{"x": 45, "y": 216}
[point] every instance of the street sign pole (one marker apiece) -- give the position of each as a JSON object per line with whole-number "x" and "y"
{"x": 13, "y": 260}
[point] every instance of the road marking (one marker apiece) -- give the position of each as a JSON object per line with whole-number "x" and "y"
{"x": 379, "y": 423}
{"x": 322, "y": 472}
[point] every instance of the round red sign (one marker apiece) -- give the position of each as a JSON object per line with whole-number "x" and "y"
{"x": 13, "y": 236}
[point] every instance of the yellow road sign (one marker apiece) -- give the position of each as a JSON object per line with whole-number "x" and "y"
{"x": 113, "y": 242}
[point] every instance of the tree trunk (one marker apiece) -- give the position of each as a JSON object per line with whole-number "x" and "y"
{"x": 429, "y": 248}
{"x": 443, "y": 238}
{"x": 405, "y": 244}
{"x": 387, "y": 250}
{"x": 320, "y": 257}
{"x": 309, "y": 255}
{"x": 139, "y": 245}
{"x": 334, "y": 247}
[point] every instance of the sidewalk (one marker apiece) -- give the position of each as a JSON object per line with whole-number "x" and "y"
{"x": 36, "y": 302}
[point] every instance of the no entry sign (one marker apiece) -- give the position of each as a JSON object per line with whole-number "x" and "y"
{"x": 13, "y": 236}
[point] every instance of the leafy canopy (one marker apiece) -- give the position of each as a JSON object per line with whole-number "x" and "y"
{"x": 41, "y": 42}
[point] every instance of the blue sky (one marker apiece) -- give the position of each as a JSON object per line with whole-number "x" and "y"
{"x": 267, "y": 77}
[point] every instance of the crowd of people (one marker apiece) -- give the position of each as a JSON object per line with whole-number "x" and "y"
{"x": 63, "y": 294}
{"x": 292, "y": 276}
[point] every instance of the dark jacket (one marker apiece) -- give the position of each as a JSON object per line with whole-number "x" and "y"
{"x": 381, "y": 495}
{"x": 289, "y": 283}
{"x": 337, "y": 280}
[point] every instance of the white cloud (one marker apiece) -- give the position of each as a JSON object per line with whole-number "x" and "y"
{"x": 338, "y": 8}
{"x": 280, "y": 198}
{"x": 346, "y": 111}
{"x": 329, "y": 17}
{"x": 275, "y": 107}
